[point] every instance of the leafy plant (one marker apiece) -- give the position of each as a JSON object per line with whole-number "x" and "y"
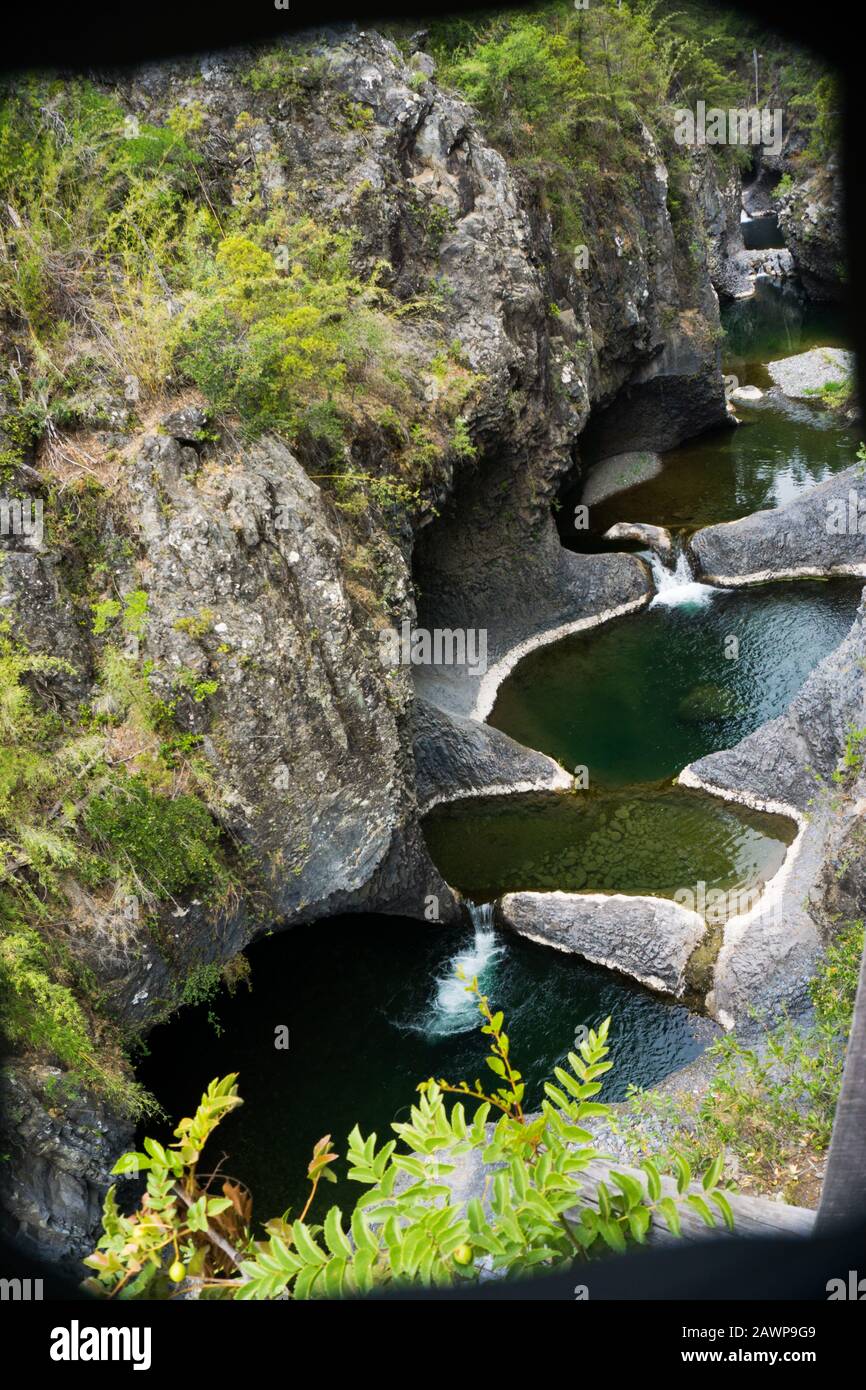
{"x": 408, "y": 1228}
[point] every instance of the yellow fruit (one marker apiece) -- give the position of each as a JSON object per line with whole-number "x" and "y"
{"x": 177, "y": 1272}
{"x": 463, "y": 1254}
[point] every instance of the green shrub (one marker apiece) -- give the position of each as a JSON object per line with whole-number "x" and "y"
{"x": 769, "y": 1105}
{"x": 171, "y": 844}
{"x": 42, "y": 1014}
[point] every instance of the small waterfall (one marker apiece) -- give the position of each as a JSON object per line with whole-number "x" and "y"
{"x": 451, "y": 1009}
{"x": 677, "y": 585}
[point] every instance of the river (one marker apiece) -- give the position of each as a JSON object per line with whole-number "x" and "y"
{"x": 371, "y": 1003}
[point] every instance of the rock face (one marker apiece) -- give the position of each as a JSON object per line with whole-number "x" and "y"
{"x": 253, "y": 577}
{"x": 307, "y": 749}
{"x": 718, "y": 195}
{"x": 456, "y": 757}
{"x": 788, "y": 765}
{"x": 815, "y": 535}
{"x": 650, "y": 939}
{"x": 53, "y": 1180}
{"x": 810, "y": 216}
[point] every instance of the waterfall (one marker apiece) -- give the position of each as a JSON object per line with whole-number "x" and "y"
{"x": 677, "y": 585}
{"x": 451, "y": 1009}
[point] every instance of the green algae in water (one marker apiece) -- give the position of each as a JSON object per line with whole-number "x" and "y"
{"x": 638, "y": 699}
{"x": 652, "y": 840}
{"x": 370, "y": 1014}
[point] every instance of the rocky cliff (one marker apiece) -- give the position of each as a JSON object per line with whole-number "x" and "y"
{"x": 265, "y": 598}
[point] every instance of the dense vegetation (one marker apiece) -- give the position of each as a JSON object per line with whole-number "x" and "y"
{"x": 83, "y": 837}
{"x": 564, "y": 91}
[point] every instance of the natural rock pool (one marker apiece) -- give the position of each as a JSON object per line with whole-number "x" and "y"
{"x": 639, "y": 698}
{"x": 648, "y": 840}
{"x": 371, "y": 1003}
{"x": 372, "y": 1007}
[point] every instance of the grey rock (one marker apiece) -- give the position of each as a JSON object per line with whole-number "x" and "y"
{"x": 810, "y": 216}
{"x": 656, "y": 538}
{"x": 803, "y": 376}
{"x": 650, "y": 939}
{"x": 187, "y": 425}
{"x": 816, "y": 534}
{"x": 57, "y": 1162}
{"x": 618, "y": 474}
{"x": 456, "y": 757}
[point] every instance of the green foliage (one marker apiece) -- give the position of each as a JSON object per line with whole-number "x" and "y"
{"x": 852, "y": 755}
{"x": 69, "y": 817}
{"x": 293, "y": 75}
{"x": 461, "y": 441}
{"x": 563, "y": 91}
{"x": 270, "y": 344}
{"x": 171, "y": 844}
{"x": 408, "y": 1228}
{"x": 769, "y": 1105}
{"x": 43, "y": 1014}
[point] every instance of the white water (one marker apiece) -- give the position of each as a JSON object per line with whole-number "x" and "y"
{"x": 678, "y": 585}
{"x": 451, "y": 1009}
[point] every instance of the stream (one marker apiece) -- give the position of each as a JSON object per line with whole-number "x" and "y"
{"x": 371, "y": 1003}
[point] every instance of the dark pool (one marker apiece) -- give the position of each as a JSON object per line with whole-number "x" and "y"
{"x": 373, "y": 1007}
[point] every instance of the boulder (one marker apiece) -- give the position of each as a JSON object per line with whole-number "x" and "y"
{"x": 650, "y": 939}
{"x": 804, "y": 376}
{"x": 817, "y": 534}
{"x": 656, "y": 538}
{"x": 618, "y": 473}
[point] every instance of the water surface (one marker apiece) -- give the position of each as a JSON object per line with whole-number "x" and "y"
{"x": 371, "y": 1010}
{"x": 648, "y": 840}
{"x": 638, "y": 699}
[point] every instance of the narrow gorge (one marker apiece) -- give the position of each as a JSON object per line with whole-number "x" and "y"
{"x": 335, "y": 343}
